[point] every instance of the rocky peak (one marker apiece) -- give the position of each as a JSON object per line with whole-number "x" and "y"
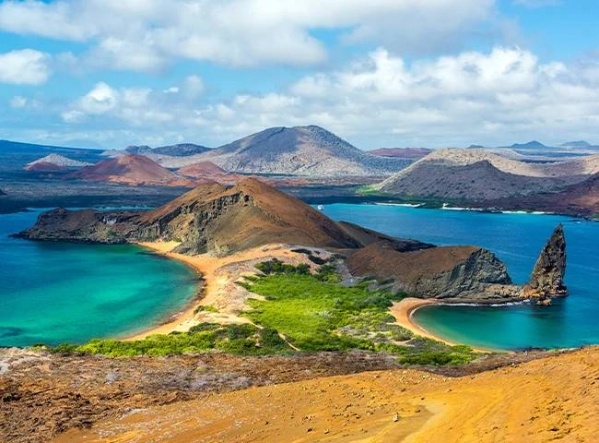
{"x": 547, "y": 278}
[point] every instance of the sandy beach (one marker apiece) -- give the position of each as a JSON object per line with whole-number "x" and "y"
{"x": 403, "y": 310}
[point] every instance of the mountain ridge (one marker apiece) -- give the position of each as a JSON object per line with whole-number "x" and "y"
{"x": 309, "y": 151}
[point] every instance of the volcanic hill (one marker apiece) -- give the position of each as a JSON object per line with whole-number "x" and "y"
{"x": 131, "y": 169}
{"x": 54, "y": 163}
{"x": 476, "y": 175}
{"x": 308, "y": 151}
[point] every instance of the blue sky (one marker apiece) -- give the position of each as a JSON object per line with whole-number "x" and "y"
{"x": 378, "y": 73}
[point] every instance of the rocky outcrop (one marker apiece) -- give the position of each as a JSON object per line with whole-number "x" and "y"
{"x": 547, "y": 278}
{"x": 85, "y": 226}
{"x": 465, "y": 273}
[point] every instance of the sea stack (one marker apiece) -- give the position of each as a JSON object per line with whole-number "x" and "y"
{"x": 547, "y": 278}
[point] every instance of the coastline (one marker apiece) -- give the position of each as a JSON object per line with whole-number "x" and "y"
{"x": 207, "y": 268}
{"x": 219, "y": 276}
{"x": 182, "y": 320}
{"x": 404, "y": 310}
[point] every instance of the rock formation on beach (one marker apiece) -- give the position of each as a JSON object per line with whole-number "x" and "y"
{"x": 547, "y": 278}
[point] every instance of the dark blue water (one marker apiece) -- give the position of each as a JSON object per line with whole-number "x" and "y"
{"x": 517, "y": 239}
{"x": 60, "y": 292}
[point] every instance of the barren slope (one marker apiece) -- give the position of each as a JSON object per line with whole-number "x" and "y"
{"x": 54, "y": 162}
{"x": 308, "y": 151}
{"x": 552, "y": 399}
{"x": 473, "y": 181}
{"x": 578, "y": 167}
{"x": 131, "y": 169}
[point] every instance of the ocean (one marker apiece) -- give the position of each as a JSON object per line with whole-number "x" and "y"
{"x": 52, "y": 293}
{"x": 517, "y": 239}
{"x": 60, "y": 292}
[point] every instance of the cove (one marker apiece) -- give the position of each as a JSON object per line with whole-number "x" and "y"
{"x": 52, "y": 293}
{"x": 517, "y": 240}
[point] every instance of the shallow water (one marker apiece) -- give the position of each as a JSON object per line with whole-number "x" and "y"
{"x": 61, "y": 292}
{"x": 517, "y": 239}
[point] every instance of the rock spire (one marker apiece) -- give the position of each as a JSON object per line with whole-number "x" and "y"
{"x": 547, "y": 278}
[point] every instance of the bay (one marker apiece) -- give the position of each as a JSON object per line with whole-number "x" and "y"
{"x": 62, "y": 292}
{"x": 516, "y": 239}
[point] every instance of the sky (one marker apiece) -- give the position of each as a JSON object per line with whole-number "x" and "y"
{"x": 378, "y": 73}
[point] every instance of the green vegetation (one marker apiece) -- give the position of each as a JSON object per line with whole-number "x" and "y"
{"x": 315, "y": 314}
{"x": 206, "y": 308}
{"x": 245, "y": 339}
{"x": 302, "y": 311}
{"x": 369, "y": 190}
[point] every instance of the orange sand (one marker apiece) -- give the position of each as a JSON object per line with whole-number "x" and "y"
{"x": 552, "y": 399}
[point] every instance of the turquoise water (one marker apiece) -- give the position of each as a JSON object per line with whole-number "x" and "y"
{"x": 60, "y": 292}
{"x": 517, "y": 239}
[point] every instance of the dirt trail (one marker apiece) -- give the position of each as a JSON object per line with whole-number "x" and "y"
{"x": 551, "y": 399}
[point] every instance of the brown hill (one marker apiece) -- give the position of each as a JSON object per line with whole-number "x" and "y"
{"x": 307, "y": 151}
{"x": 404, "y": 153}
{"x": 202, "y": 170}
{"x": 131, "y": 169}
{"x": 221, "y": 220}
{"x": 470, "y": 182}
{"x": 54, "y": 163}
{"x": 451, "y": 272}
{"x": 577, "y": 199}
{"x": 205, "y": 171}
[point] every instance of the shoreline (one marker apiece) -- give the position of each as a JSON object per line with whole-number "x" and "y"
{"x": 219, "y": 276}
{"x": 404, "y": 310}
{"x": 184, "y": 319}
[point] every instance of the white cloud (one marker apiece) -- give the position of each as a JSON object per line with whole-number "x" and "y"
{"x": 24, "y": 67}
{"x": 134, "y": 107}
{"x": 501, "y": 96}
{"x": 148, "y": 35}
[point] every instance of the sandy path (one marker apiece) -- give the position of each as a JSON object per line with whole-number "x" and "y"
{"x": 551, "y": 399}
{"x": 220, "y": 290}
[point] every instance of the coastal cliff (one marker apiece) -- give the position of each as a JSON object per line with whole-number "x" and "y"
{"x": 466, "y": 273}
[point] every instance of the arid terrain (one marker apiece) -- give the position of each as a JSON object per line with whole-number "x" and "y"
{"x": 481, "y": 178}
{"x": 536, "y": 397}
